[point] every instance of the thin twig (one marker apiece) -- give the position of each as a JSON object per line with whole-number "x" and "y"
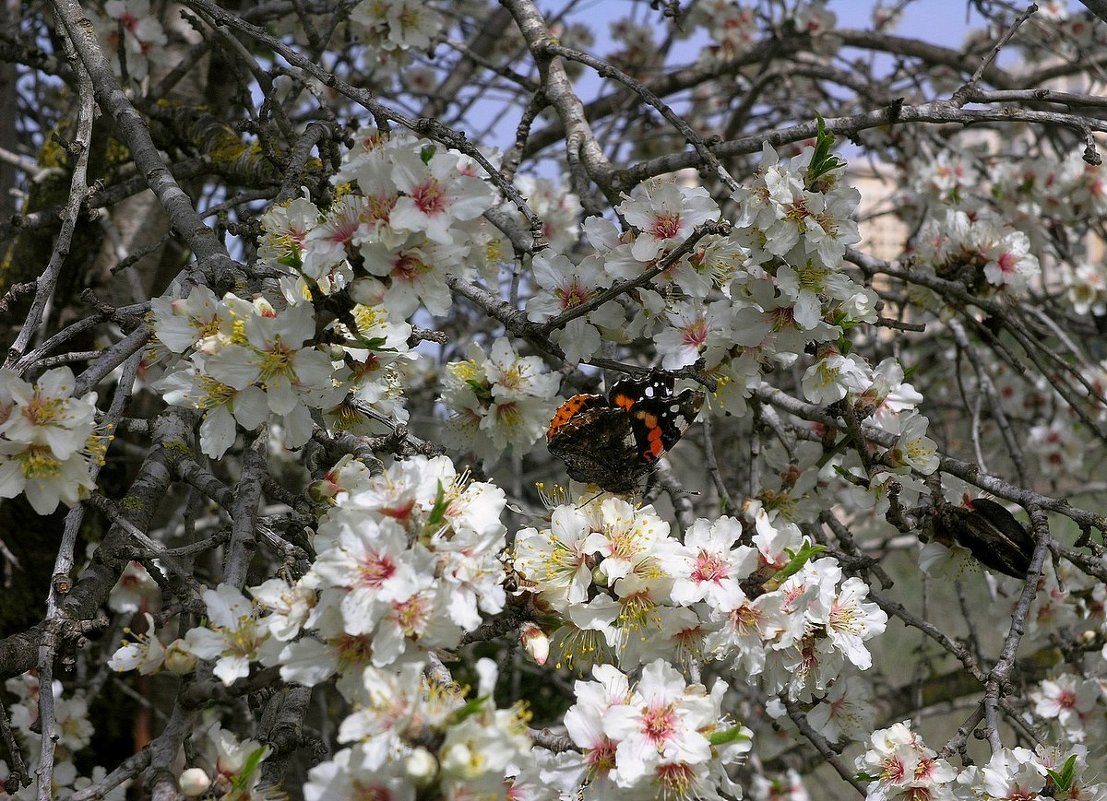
{"x": 820, "y": 743}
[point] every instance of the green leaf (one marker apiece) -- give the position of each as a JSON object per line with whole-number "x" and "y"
{"x": 427, "y": 153}
{"x": 242, "y": 778}
{"x": 726, "y": 736}
{"x": 1063, "y": 780}
{"x": 796, "y": 561}
{"x": 438, "y": 511}
{"x": 371, "y": 343}
{"x": 292, "y": 261}
{"x": 482, "y": 390}
{"x": 822, "y": 160}
{"x": 471, "y": 708}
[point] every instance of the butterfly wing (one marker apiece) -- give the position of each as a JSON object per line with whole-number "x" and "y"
{"x": 598, "y": 447}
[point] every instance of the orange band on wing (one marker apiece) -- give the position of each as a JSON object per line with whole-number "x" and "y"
{"x": 623, "y": 401}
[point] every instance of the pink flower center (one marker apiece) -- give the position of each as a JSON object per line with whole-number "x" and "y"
{"x": 709, "y": 567}
{"x": 43, "y": 411}
{"x": 572, "y": 295}
{"x": 783, "y": 317}
{"x": 408, "y": 267}
{"x": 925, "y": 767}
{"x": 412, "y": 615}
{"x": 791, "y": 596}
{"x": 1007, "y": 262}
{"x": 353, "y": 650}
{"x": 745, "y": 618}
{"x": 677, "y": 780}
{"x": 377, "y": 569}
{"x": 658, "y": 723}
{"x": 429, "y": 198}
{"x": 695, "y": 334}
{"x": 892, "y": 770}
{"x": 343, "y": 230}
{"x": 370, "y": 792}
{"x": 666, "y": 225}
{"x": 379, "y": 208}
{"x": 601, "y": 759}
{"x": 399, "y": 511}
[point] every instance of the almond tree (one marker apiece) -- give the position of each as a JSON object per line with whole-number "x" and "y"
{"x": 415, "y": 400}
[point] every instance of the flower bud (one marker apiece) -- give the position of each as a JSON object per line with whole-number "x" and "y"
{"x": 178, "y": 658}
{"x": 536, "y": 643}
{"x": 421, "y": 766}
{"x": 194, "y": 782}
{"x": 322, "y": 491}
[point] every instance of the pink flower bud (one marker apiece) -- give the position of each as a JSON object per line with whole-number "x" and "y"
{"x": 194, "y": 782}
{"x": 322, "y": 491}
{"x": 536, "y": 643}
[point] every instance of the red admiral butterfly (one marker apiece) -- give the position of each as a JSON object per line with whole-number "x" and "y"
{"x": 611, "y": 442}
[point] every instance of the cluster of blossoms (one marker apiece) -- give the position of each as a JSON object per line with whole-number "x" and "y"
{"x": 978, "y": 246}
{"x": 625, "y": 591}
{"x": 1087, "y": 288}
{"x": 412, "y": 733}
{"x": 899, "y": 765}
{"x": 736, "y": 301}
{"x": 224, "y": 766}
{"x": 391, "y": 28}
{"x": 49, "y": 443}
{"x": 1069, "y": 35}
{"x": 74, "y": 732}
{"x": 130, "y": 27}
{"x": 407, "y": 563}
{"x": 558, "y": 209}
{"x": 795, "y": 221}
{"x": 1070, "y": 706}
{"x": 1073, "y": 705}
{"x": 1059, "y": 445}
{"x": 984, "y": 219}
{"x": 949, "y": 179}
{"x": 560, "y": 287}
{"x": 1066, "y": 191}
{"x": 244, "y": 362}
{"x": 390, "y": 243}
{"x": 881, "y": 395}
{"x": 498, "y": 401}
{"x": 792, "y": 295}
{"x": 412, "y": 220}
{"x": 636, "y": 53}
{"x": 660, "y": 737}
{"x": 396, "y": 24}
{"x": 735, "y": 27}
